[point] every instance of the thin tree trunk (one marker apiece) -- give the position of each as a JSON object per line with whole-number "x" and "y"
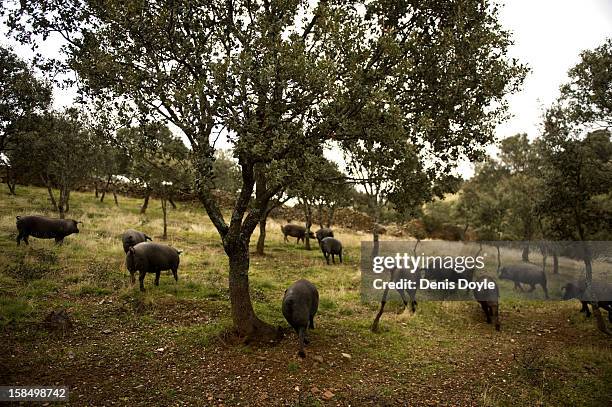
{"x": 525, "y": 255}
{"x": 67, "y": 200}
{"x": 164, "y": 206}
{"x": 11, "y": 180}
{"x": 105, "y": 188}
{"x": 145, "y": 204}
{"x": 498, "y": 258}
{"x": 62, "y": 202}
{"x": 261, "y": 241}
{"x": 330, "y": 216}
{"x": 320, "y": 215}
{"x": 555, "y": 262}
{"x": 308, "y": 214}
{"x": 50, "y": 191}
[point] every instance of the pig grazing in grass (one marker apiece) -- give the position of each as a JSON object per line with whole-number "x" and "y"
{"x": 330, "y": 246}
{"x": 300, "y": 305}
{"x": 524, "y": 273}
{"x": 296, "y": 231}
{"x": 45, "y": 228}
{"x": 132, "y": 237}
{"x": 149, "y": 257}
{"x": 488, "y": 298}
{"x": 601, "y": 290}
{"x": 323, "y": 233}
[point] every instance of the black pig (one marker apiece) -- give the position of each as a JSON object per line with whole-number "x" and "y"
{"x": 323, "y": 233}
{"x": 488, "y": 298}
{"x": 295, "y": 231}
{"x": 330, "y": 246}
{"x": 132, "y": 237}
{"x": 45, "y": 228}
{"x": 149, "y": 257}
{"x": 524, "y": 273}
{"x": 300, "y": 305}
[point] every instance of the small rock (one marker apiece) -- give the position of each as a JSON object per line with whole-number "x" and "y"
{"x": 296, "y": 388}
{"x": 511, "y": 340}
{"x": 315, "y": 390}
{"x": 107, "y": 331}
{"x": 346, "y": 356}
{"x": 140, "y": 386}
{"x": 327, "y": 395}
{"x": 159, "y": 350}
{"x": 318, "y": 358}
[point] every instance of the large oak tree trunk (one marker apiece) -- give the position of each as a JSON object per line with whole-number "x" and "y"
{"x": 246, "y": 323}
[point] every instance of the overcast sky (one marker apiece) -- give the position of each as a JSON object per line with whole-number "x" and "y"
{"x": 548, "y": 36}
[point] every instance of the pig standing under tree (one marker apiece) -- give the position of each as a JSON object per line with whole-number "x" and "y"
{"x": 296, "y": 231}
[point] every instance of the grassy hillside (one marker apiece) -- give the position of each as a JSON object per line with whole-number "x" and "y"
{"x": 169, "y": 346}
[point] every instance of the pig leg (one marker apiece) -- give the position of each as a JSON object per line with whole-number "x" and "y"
{"x": 333, "y": 258}
{"x": 132, "y": 277}
{"x": 545, "y": 290}
{"x": 286, "y": 240}
{"x": 495, "y": 311}
{"x": 327, "y": 257}
{"x": 405, "y": 301}
{"x": 585, "y": 309}
{"x": 380, "y": 312}
{"x": 25, "y": 239}
{"x": 340, "y": 256}
{"x": 413, "y": 302}
{"x": 312, "y": 322}
{"x": 485, "y": 308}
{"x": 19, "y": 237}
{"x": 157, "y": 274}
{"x": 141, "y": 277}
{"x": 517, "y": 285}
{"x": 59, "y": 240}
{"x": 301, "y": 353}
{"x": 175, "y": 274}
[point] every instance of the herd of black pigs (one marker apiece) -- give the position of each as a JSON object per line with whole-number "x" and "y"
{"x": 301, "y": 299}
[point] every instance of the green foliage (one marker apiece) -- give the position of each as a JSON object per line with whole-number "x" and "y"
{"x": 226, "y": 172}
{"x": 22, "y": 95}
{"x": 159, "y": 160}
{"x": 588, "y": 94}
{"x": 57, "y": 149}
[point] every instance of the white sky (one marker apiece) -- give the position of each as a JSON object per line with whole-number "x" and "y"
{"x": 548, "y": 36}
